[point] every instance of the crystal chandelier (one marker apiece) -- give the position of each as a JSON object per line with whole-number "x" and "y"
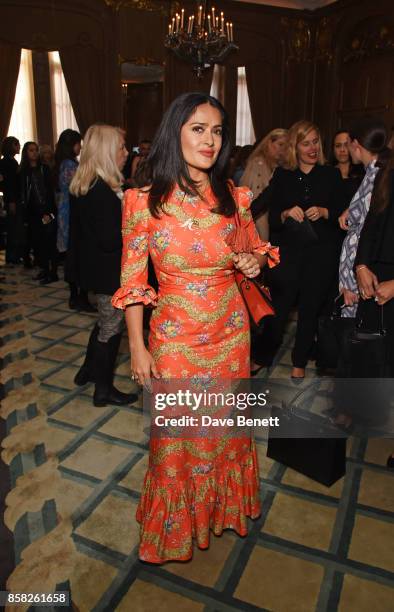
{"x": 202, "y": 40}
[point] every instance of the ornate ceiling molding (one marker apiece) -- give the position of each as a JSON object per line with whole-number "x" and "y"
{"x": 142, "y": 5}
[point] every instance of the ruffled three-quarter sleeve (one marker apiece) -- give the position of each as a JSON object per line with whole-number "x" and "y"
{"x": 244, "y": 197}
{"x": 134, "y": 274}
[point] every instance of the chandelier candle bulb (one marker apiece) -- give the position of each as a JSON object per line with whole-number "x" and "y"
{"x": 222, "y": 23}
{"x": 182, "y": 17}
{"x": 177, "y": 20}
{"x": 213, "y": 16}
{"x": 189, "y": 30}
{"x": 231, "y": 33}
{"x": 209, "y": 24}
{"x": 199, "y": 15}
{"x": 169, "y": 29}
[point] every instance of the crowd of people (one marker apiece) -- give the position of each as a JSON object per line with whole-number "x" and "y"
{"x": 332, "y": 222}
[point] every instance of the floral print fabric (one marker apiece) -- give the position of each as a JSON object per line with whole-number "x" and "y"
{"x": 67, "y": 170}
{"x": 199, "y": 332}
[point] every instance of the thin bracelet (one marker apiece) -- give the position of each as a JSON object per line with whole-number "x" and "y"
{"x": 360, "y": 267}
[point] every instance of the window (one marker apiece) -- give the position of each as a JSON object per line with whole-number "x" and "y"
{"x": 62, "y": 112}
{"x": 245, "y": 133}
{"x": 23, "y": 118}
{"x": 217, "y": 86}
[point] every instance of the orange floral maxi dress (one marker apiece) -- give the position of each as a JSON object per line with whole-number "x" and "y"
{"x": 199, "y": 331}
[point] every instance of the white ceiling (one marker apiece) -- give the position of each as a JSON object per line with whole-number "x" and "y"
{"x": 294, "y": 4}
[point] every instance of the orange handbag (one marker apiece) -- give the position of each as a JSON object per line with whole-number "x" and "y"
{"x": 257, "y": 297}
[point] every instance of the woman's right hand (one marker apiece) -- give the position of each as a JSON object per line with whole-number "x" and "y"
{"x": 349, "y": 297}
{"x": 342, "y": 220}
{"x": 143, "y": 367}
{"x": 295, "y": 213}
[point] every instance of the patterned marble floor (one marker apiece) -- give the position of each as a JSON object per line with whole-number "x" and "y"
{"x": 76, "y": 473}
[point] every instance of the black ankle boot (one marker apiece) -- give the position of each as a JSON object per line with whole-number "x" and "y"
{"x": 86, "y": 371}
{"x": 103, "y": 395}
{"x": 105, "y": 392}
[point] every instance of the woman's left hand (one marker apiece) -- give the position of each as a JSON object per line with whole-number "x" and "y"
{"x": 247, "y": 264}
{"x": 384, "y": 292}
{"x": 316, "y": 212}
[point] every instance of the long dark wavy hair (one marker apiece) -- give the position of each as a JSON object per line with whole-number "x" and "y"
{"x": 372, "y": 134}
{"x": 65, "y": 149}
{"x": 25, "y": 162}
{"x": 165, "y": 166}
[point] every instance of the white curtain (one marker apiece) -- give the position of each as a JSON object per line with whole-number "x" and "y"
{"x": 62, "y": 112}
{"x": 245, "y": 133}
{"x": 23, "y": 119}
{"x": 217, "y": 86}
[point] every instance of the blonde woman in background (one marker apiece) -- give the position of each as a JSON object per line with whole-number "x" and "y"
{"x": 268, "y": 154}
{"x": 306, "y": 199}
{"x": 95, "y": 253}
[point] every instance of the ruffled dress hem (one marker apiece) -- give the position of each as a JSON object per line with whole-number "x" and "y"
{"x": 175, "y": 511}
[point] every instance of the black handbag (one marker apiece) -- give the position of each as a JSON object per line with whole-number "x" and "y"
{"x": 300, "y": 233}
{"x": 363, "y": 387}
{"x": 319, "y": 451}
{"x": 331, "y": 335}
{"x": 365, "y": 352}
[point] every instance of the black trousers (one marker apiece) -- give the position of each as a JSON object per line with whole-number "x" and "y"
{"x": 304, "y": 278}
{"x": 42, "y": 239}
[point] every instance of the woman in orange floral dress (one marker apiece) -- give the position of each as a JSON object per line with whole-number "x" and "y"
{"x": 199, "y": 326}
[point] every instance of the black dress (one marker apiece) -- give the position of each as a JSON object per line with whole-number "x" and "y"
{"x": 376, "y": 251}
{"x": 309, "y": 253}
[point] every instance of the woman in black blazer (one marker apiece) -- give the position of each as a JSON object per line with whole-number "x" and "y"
{"x": 305, "y": 200}
{"x": 95, "y": 253}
